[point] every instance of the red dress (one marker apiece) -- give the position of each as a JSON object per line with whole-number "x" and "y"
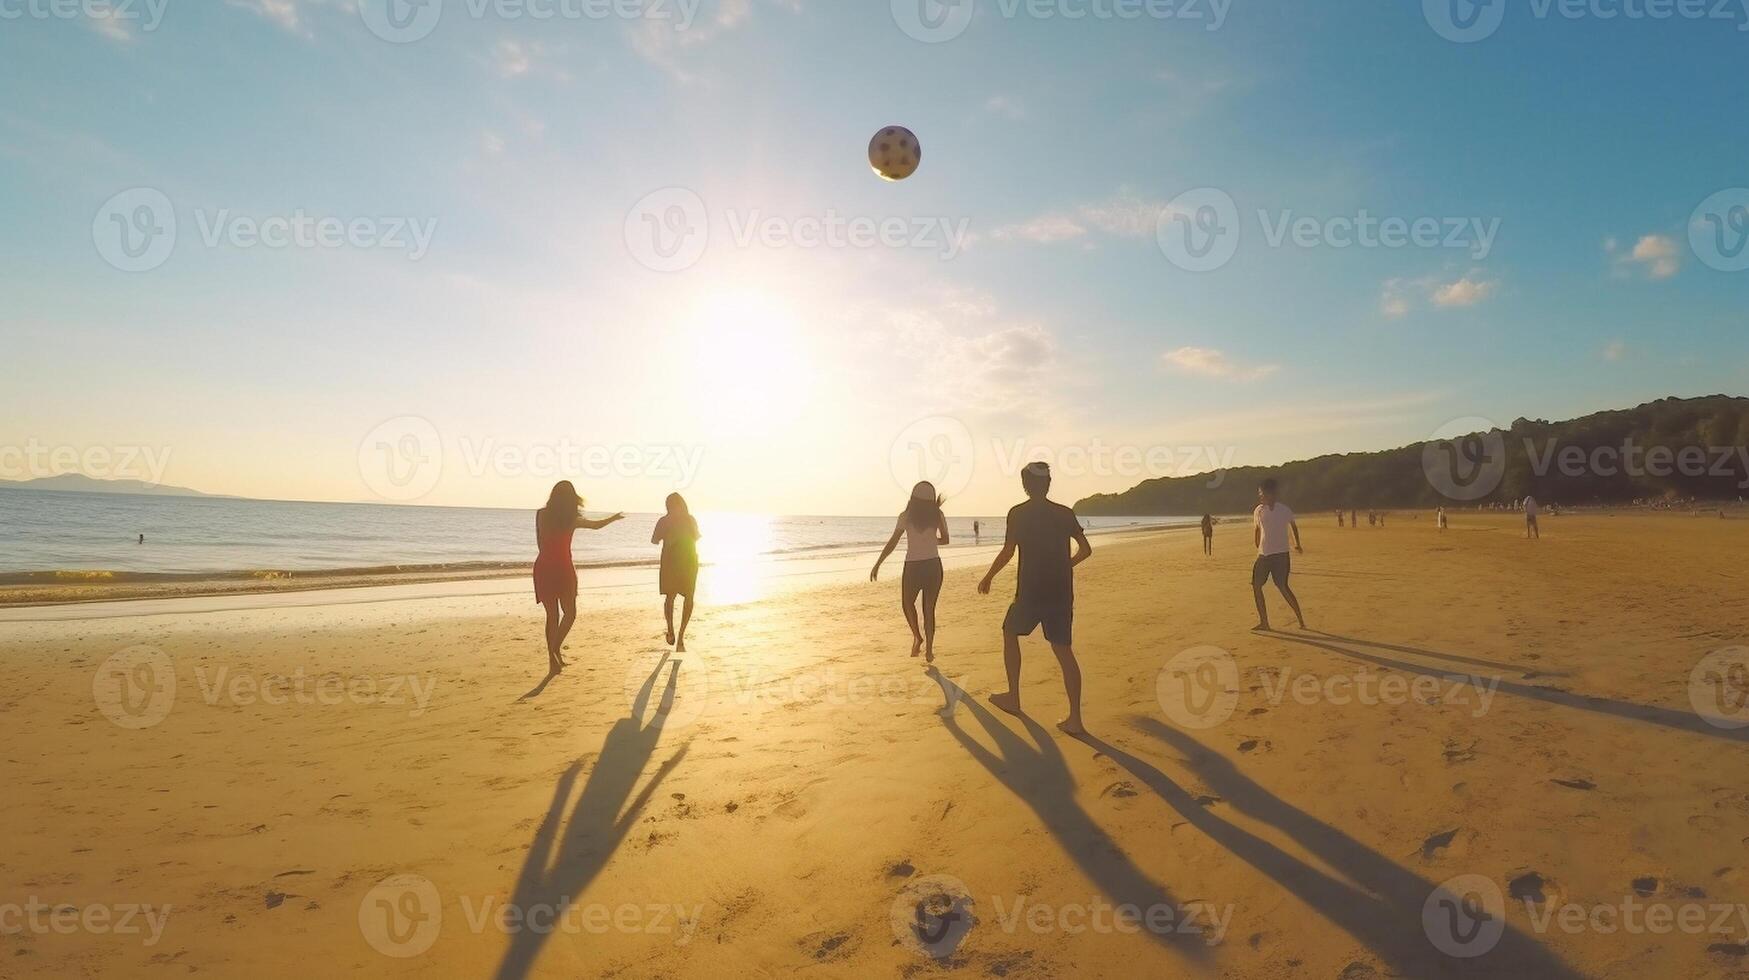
{"x": 555, "y": 574}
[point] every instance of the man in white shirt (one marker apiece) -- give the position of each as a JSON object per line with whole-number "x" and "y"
{"x": 1530, "y": 511}
{"x": 1270, "y": 526}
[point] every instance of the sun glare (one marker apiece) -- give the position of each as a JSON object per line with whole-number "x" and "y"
{"x": 749, "y": 358}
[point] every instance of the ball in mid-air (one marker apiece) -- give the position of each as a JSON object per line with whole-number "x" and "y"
{"x": 894, "y": 153}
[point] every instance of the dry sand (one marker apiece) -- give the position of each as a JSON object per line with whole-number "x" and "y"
{"x": 362, "y": 788}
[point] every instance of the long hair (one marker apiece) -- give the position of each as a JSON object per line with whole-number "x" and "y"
{"x": 563, "y": 506}
{"x": 679, "y": 515}
{"x": 923, "y": 510}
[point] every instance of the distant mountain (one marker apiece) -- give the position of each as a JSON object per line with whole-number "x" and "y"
{"x": 1670, "y": 448}
{"x": 79, "y": 483}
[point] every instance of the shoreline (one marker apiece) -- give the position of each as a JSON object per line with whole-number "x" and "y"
{"x": 48, "y": 590}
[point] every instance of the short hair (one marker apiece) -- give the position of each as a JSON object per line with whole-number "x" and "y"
{"x": 1269, "y": 485}
{"x": 1036, "y": 477}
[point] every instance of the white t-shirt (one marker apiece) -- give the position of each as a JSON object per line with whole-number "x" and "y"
{"x": 1274, "y": 521}
{"x": 1530, "y": 507}
{"x": 920, "y": 543}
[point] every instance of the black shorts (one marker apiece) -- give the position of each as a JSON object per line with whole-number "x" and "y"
{"x": 921, "y": 576}
{"x": 1271, "y": 567}
{"x": 1058, "y": 620}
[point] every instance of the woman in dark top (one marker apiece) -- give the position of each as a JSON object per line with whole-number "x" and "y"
{"x": 677, "y": 533}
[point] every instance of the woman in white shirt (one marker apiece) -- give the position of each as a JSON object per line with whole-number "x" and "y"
{"x": 924, "y": 528}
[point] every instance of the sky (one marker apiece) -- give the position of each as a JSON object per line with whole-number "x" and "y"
{"x": 448, "y": 254}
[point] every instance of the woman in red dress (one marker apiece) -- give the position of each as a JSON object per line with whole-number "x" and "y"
{"x": 555, "y": 574}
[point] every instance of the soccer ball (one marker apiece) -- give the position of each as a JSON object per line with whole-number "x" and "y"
{"x": 894, "y": 153}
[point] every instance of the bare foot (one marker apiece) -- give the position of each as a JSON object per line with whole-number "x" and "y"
{"x": 680, "y": 646}
{"x": 1008, "y": 701}
{"x": 917, "y": 647}
{"x": 670, "y": 636}
{"x": 1071, "y": 726}
{"x": 929, "y": 655}
{"x": 1260, "y": 628}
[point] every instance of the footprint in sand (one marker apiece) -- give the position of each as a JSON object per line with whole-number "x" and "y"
{"x": 1122, "y": 789}
{"x": 1581, "y": 784}
{"x": 1435, "y": 846}
{"x": 902, "y": 869}
{"x": 829, "y": 945}
{"x": 1532, "y": 887}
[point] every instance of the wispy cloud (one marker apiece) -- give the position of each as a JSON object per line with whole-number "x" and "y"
{"x": 1124, "y": 215}
{"x": 1653, "y": 256}
{"x": 287, "y": 15}
{"x": 1615, "y": 350}
{"x": 1005, "y": 106}
{"x": 1400, "y": 297}
{"x": 1210, "y": 363}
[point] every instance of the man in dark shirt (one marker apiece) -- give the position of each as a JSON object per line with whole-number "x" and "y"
{"x": 1045, "y": 593}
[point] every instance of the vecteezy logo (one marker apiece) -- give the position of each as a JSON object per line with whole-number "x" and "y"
{"x": 1465, "y": 916}
{"x": 1718, "y": 687}
{"x": 402, "y": 459}
{"x": 135, "y": 231}
{"x": 1465, "y": 21}
{"x": 1719, "y": 230}
{"x": 135, "y": 687}
{"x": 1199, "y": 688}
{"x": 401, "y": 21}
{"x": 932, "y": 915}
{"x": 933, "y": 21}
{"x": 938, "y": 449}
{"x": 1465, "y": 459}
{"x": 1199, "y": 230}
{"x": 401, "y": 916}
{"x": 668, "y": 230}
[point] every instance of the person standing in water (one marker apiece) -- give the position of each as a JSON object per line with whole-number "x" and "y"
{"x": 677, "y": 532}
{"x": 924, "y": 528}
{"x": 1271, "y": 523}
{"x": 977, "y": 532}
{"x": 555, "y": 574}
{"x": 1208, "y": 535}
{"x": 1041, "y": 530}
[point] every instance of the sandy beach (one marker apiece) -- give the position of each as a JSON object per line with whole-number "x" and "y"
{"x": 385, "y": 786}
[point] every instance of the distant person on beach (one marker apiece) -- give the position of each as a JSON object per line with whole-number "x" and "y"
{"x": 142, "y": 539}
{"x": 1354, "y": 518}
{"x": 1441, "y": 516}
{"x": 1208, "y": 535}
{"x": 1381, "y": 518}
{"x": 977, "y": 532}
{"x": 1044, "y": 593}
{"x": 1339, "y": 519}
{"x": 555, "y": 574}
{"x": 1271, "y": 523}
{"x": 1530, "y": 512}
{"x": 924, "y": 528}
{"x": 677, "y": 533}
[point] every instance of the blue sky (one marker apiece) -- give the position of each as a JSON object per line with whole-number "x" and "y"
{"x": 1052, "y": 148}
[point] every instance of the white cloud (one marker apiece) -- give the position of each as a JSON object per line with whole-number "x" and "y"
{"x": 1400, "y": 297}
{"x": 1123, "y": 216}
{"x": 1211, "y": 363}
{"x": 1614, "y": 350}
{"x": 667, "y": 42}
{"x": 287, "y": 15}
{"x": 511, "y": 58}
{"x": 1467, "y": 291}
{"x": 1002, "y": 105}
{"x": 1653, "y": 256}
{"x": 105, "y": 22}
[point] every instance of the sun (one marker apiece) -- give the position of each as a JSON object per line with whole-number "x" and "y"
{"x": 749, "y": 360}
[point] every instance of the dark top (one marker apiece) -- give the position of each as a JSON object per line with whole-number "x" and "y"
{"x": 1042, "y": 531}
{"x": 1208, "y": 526}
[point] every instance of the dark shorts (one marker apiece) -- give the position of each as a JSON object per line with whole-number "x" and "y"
{"x": 1271, "y": 567}
{"x": 1024, "y": 617}
{"x": 922, "y": 576}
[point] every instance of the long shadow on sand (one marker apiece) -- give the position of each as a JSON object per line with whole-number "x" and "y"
{"x": 566, "y": 855}
{"x": 1382, "y": 907}
{"x": 1034, "y": 770}
{"x": 1650, "y": 714}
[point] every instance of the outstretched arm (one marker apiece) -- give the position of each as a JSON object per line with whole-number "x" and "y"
{"x": 892, "y": 542}
{"x": 586, "y": 523}
{"x": 941, "y": 530}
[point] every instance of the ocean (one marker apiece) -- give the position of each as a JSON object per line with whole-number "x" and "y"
{"x": 66, "y": 533}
